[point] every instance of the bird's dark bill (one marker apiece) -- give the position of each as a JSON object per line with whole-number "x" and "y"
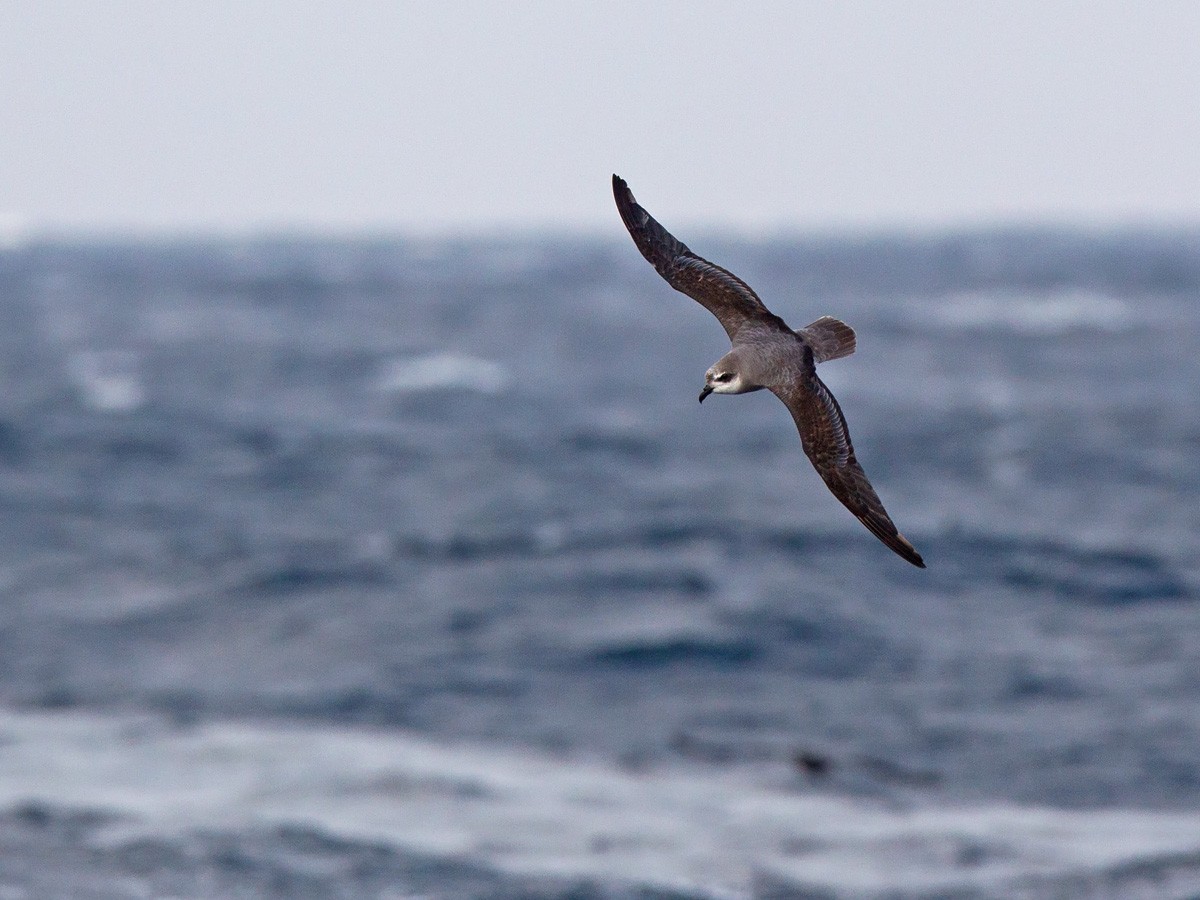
{"x": 704, "y": 393}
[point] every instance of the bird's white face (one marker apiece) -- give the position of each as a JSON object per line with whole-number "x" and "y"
{"x": 722, "y": 380}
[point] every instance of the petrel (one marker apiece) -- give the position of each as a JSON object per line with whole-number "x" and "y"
{"x": 768, "y": 354}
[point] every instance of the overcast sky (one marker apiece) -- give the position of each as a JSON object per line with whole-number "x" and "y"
{"x": 445, "y": 116}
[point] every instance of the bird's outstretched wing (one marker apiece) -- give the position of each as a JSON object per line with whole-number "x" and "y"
{"x": 827, "y": 444}
{"x": 720, "y": 292}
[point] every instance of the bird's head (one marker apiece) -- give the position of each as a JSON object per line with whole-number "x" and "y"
{"x": 725, "y": 377}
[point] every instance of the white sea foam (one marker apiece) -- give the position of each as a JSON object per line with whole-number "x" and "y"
{"x": 444, "y": 370}
{"x": 108, "y": 380}
{"x": 720, "y": 832}
{"x": 1035, "y": 313}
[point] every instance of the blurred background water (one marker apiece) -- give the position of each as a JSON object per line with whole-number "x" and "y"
{"x": 360, "y": 533}
{"x": 260, "y": 496}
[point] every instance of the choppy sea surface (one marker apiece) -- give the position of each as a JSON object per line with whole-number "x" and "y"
{"x": 410, "y": 568}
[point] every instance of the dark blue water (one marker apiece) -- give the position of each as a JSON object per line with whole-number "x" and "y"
{"x": 462, "y": 489}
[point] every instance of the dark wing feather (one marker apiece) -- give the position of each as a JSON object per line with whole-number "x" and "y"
{"x": 720, "y": 292}
{"x": 827, "y": 444}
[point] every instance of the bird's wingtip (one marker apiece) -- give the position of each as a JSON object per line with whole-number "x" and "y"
{"x": 909, "y": 553}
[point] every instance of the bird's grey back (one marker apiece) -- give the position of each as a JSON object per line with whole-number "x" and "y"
{"x": 769, "y": 357}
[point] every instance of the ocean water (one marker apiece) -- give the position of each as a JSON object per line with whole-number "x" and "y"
{"x": 412, "y": 568}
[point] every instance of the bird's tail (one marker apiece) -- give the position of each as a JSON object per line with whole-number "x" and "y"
{"x": 829, "y": 338}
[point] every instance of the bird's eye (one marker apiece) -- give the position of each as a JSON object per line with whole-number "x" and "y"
{"x": 725, "y": 376}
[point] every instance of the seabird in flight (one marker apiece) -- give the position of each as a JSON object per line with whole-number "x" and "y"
{"x": 768, "y": 354}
